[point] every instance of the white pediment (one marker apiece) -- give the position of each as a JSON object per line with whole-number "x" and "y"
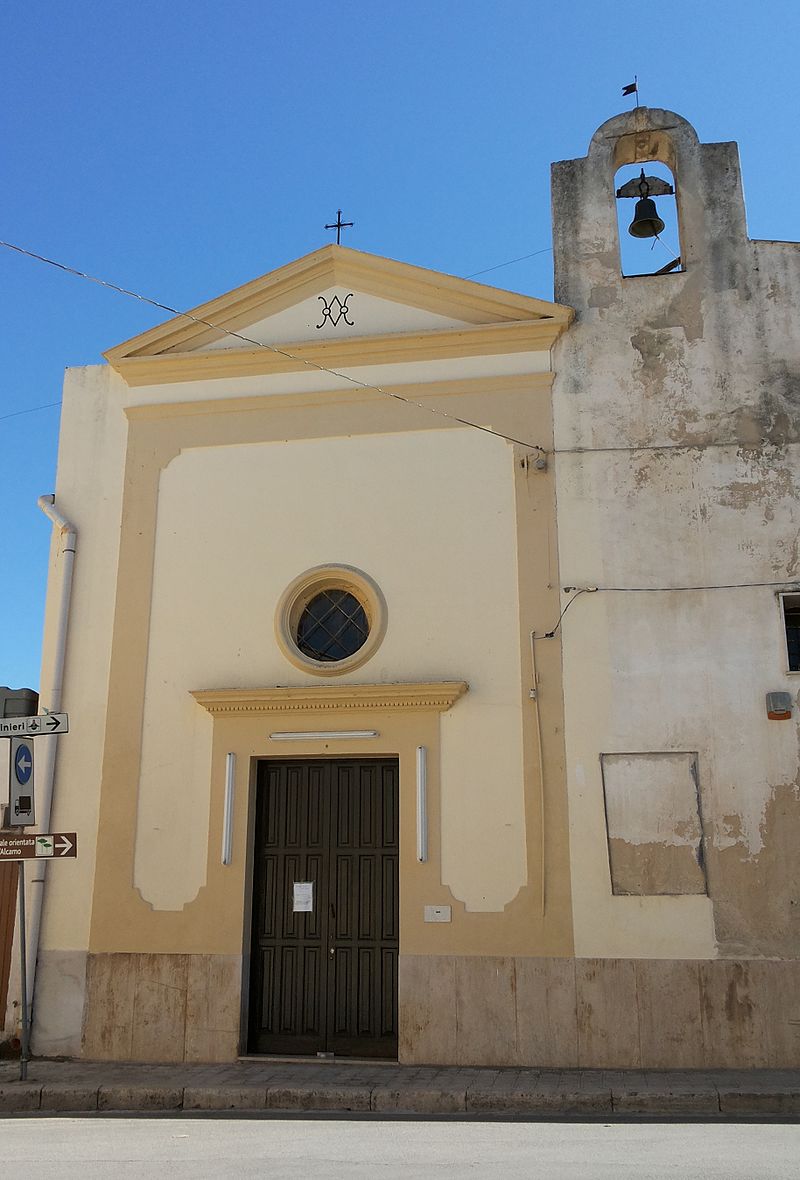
{"x": 334, "y": 313}
{"x": 337, "y": 306}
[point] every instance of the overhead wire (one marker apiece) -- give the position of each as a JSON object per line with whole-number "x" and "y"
{"x": 511, "y": 261}
{"x": 270, "y": 347}
{"x": 670, "y": 589}
{"x": 631, "y": 447}
{"x": 554, "y": 631}
{"x": 30, "y": 410}
{"x": 408, "y": 401}
{"x": 577, "y": 591}
{"x": 346, "y": 376}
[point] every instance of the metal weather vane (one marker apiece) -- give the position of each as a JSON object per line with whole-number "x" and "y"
{"x": 632, "y": 88}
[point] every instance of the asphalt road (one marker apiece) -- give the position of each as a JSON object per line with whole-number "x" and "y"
{"x": 334, "y": 1148}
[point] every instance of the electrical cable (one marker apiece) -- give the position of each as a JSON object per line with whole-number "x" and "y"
{"x": 419, "y": 405}
{"x": 584, "y": 590}
{"x": 269, "y": 347}
{"x": 687, "y": 446}
{"x": 30, "y": 410}
{"x": 511, "y": 261}
{"x": 670, "y": 589}
{"x": 579, "y": 590}
{"x": 346, "y": 377}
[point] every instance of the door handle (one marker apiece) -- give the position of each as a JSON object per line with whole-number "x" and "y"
{"x": 331, "y": 952}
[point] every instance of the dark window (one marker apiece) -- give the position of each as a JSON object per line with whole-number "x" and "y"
{"x": 332, "y": 626}
{"x": 791, "y": 621}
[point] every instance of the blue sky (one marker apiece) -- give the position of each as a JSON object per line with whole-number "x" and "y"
{"x": 180, "y": 149}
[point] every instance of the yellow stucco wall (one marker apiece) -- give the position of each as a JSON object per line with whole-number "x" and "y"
{"x": 236, "y": 524}
{"x": 215, "y": 495}
{"x": 222, "y": 512}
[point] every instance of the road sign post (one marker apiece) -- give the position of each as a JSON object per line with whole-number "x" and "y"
{"x": 20, "y": 784}
{"x": 18, "y": 845}
{"x": 25, "y": 1050}
{"x": 39, "y": 726}
{"x": 38, "y": 846}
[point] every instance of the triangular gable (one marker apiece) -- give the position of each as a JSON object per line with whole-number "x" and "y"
{"x": 450, "y": 304}
{"x": 333, "y": 314}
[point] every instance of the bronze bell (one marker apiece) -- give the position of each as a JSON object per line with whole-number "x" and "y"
{"x": 646, "y": 222}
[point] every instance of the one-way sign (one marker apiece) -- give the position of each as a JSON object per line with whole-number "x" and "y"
{"x": 20, "y": 784}
{"x": 33, "y": 726}
{"x": 54, "y": 845}
{"x": 23, "y": 764}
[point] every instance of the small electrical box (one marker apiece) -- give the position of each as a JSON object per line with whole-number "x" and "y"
{"x": 438, "y": 913}
{"x": 779, "y": 706}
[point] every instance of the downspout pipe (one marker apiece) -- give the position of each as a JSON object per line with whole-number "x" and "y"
{"x": 45, "y": 768}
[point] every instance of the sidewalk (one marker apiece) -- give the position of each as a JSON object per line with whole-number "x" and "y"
{"x": 271, "y": 1085}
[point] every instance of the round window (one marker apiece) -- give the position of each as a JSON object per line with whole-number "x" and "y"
{"x": 331, "y": 619}
{"x": 333, "y": 626}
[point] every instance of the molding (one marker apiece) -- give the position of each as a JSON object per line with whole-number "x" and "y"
{"x": 428, "y": 696}
{"x": 388, "y": 348}
{"x": 416, "y": 391}
{"x": 306, "y": 586}
{"x": 333, "y": 266}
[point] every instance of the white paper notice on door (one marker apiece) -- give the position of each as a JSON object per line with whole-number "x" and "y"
{"x": 303, "y": 900}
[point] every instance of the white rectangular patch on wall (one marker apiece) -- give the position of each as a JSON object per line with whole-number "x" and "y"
{"x": 438, "y": 913}
{"x": 303, "y": 897}
{"x": 654, "y": 823}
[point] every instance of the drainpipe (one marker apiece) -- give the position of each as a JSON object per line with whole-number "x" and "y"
{"x": 46, "y": 775}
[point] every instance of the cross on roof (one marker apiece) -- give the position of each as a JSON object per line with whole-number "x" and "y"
{"x": 339, "y": 225}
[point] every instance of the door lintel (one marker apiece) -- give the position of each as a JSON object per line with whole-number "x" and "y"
{"x": 430, "y": 696}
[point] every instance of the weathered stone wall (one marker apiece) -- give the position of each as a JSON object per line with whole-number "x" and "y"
{"x": 157, "y": 1007}
{"x": 677, "y": 432}
{"x": 599, "y": 1013}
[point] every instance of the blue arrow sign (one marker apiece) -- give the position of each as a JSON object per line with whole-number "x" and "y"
{"x": 23, "y": 763}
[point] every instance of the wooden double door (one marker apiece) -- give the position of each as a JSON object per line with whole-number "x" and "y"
{"x": 324, "y": 945}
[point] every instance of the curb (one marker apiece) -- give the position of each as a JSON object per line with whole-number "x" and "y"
{"x": 553, "y": 1101}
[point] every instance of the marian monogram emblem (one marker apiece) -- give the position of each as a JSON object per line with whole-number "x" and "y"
{"x": 335, "y": 310}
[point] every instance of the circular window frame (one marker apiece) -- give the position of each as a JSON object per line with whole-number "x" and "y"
{"x": 308, "y": 585}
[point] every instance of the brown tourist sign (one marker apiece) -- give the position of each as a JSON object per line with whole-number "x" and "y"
{"x": 52, "y": 845}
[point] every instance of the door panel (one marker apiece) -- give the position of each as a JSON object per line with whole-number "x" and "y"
{"x": 326, "y": 981}
{"x": 287, "y": 1000}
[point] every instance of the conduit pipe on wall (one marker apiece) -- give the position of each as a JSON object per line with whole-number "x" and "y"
{"x": 534, "y": 695}
{"x": 46, "y": 775}
{"x": 422, "y": 804}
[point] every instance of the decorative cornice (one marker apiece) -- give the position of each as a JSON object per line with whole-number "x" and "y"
{"x": 331, "y": 265}
{"x": 419, "y": 391}
{"x": 388, "y": 348}
{"x": 431, "y": 696}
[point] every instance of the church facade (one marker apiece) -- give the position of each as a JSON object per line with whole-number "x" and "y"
{"x": 418, "y": 658}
